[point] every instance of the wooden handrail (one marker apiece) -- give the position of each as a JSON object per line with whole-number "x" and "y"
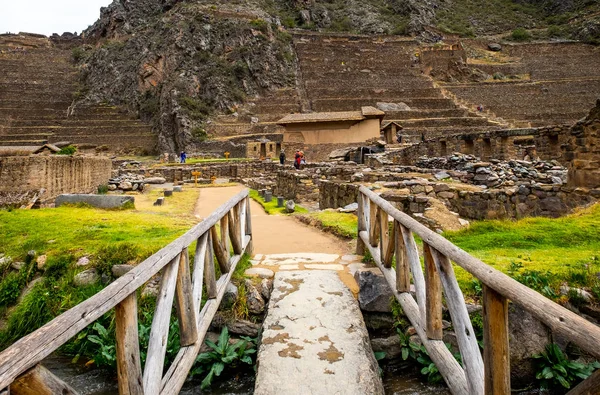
{"x": 177, "y": 283}
{"x": 499, "y": 289}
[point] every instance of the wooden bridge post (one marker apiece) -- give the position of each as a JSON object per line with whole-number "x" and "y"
{"x": 209, "y": 270}
{"x": 386, "y": 245}
{"x": 40, "y": 381}
{"x": 402, "y": 271}
{"x": 434, "y": 296}
{"x": 362, "y": 225}
{"x": 248, "y": 230}
{"x": 373, "y": 223}
{"x": 496, "y": 352}
{"x": 129, "y": 365}
{"x": 184, "y": 298}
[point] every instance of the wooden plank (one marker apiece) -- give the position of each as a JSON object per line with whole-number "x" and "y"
{"x": 33, "y": 348}
{"x": 177, "y": 373}
{"x": 386, "y": 246}
{"x": 129, "y": 365}
{"x": 209, "y": 270}
{"x": 562, "y": 321}
{"x": 362, "y": 224}
{"x": 249, "y": 248}
{"x": 157, "y": 345}
{"x": 184, "y": 297}
{"x": 198, "y": 274}
{"x": 220, "y": 253}
{"x": 373, "y": 224}
{"x": 40, "y": 381}
{"x": 434, "y": 297}
{"x": 590, "y": 386}
{"x": 224, "y": 239}
{"x": 242, "y": 219}
{"x": 235, "y": 234}
{"x": 449, "y": 368}
{"x": 496, "y": 352}
{"x": 402, "y": 270}
{"x": 465, "y": 335}
{"x": 412, "y": 254}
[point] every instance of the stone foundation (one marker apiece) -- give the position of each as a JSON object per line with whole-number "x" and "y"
{"x": 22, "y": 178}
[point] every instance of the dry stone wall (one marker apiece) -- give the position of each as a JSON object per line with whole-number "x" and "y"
{"x": 22, "y": 178}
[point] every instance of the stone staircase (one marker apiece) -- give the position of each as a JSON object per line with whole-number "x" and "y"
{"x": 561, "y": 83}
{"x": 342, "y": 72}
{"x": 37, "y": 86}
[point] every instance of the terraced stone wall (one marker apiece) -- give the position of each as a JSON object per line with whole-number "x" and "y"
{"x": 22, "y": 178}
{"x": 545, "y": 143}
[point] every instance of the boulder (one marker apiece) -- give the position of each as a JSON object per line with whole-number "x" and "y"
{"x": 374, "y": 293}
{"x": 41, "y": 262}
{"x": 126, "y": 186}
{"x": 266, "y": 287}
{"x": 87, "y": 277}
{"x": 99, "y": 201}
{"x": 83, "y": 261}
{"x": 388, "y": 345}
{"x": 230, "y": 296}
{"x": 494, "y": 47}
{"x": 235, "y": 326}
{"x": 290, "y": 206}
{"x": 120, "y": 270}
{"x": 17, "y": 265}
{"x": 527, "y": 336}
{"x": 154, "y": 180}
{"x": 254, "y": 301}
{"x": 350, "y": 208}
{"x": 379, "y": 322}
{"x": 259, "y": 272}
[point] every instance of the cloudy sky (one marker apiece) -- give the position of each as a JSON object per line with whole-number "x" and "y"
{"x": 49, "y": 16}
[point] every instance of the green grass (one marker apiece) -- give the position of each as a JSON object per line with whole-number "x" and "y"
{"x": 271, "y": 207}
{"x": 568, "y": 248}
{"x": 341, "y": 224}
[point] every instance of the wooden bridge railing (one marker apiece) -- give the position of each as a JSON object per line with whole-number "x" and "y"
{"x": 178, "y": 284}
{"x": 490, "y": 374}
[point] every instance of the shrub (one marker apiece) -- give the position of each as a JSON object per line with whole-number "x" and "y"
{"x": 199, "y": 133}
{"x": 554, "y": 368}
{"x": 68, "y": 150}
{"x": 260, "y": 24}
{"x": 520, "y": 34}
{"x": 289, "y": 22}
{"x": 77, "y": 54}
{"x": 196, "y": 108}
{"x": 102, "y": 189}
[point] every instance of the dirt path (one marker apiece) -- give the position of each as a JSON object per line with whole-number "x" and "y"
{"x": 273, "y": 234}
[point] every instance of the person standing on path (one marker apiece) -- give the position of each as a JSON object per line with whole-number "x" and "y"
{"x": 297, "y": 159}
{"x": 282, "y": 157}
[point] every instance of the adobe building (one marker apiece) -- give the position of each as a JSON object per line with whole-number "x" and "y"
{"x": 345, "y": 127}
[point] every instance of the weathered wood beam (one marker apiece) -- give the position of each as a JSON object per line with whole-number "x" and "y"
{"x": 40, "y": 381}
{"x": 209, "y": 270}
{"x": 496, "y": 352}
{"x": 159, "y": 333}
{"x": 362, "y": 224}
{"x": 373, "y": 223}
{"x": 434, "y": 297}
{"x": 412, "y": 254}
{"x": 184, "y": 300}
{"x": 34, "y": 347}
{"x": 465, "y": 335}
{"x": 129, "y": 365}
{"x": 220, "y": 253}
{"x": 562, "y": 321}
{"x": 198, "y": 274}
{"x": 590, "y": 386}
{"x": 235, "y": 234}
{"x": 386, "y": 245}
{"x": 402, "y": 268}
{"x": 449, "y": 368}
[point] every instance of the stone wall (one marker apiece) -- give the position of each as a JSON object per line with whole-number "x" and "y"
{"x": 22, "y": 178}
{"x": 413, "y": 197}
{"x": 583, "y": 151}
{"x": 544, "y": 143}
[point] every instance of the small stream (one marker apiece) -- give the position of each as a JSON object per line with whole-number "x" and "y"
{"x": 398, "y": 379}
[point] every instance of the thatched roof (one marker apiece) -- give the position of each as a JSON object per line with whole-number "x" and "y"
{"x": 313, "y": 117}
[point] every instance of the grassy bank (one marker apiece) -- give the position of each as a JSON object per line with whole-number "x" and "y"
{"x": 538, "y": 251}
{"x": 271, "y": 207}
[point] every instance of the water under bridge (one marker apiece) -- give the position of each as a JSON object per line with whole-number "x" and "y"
{"x": 314, "y": 339}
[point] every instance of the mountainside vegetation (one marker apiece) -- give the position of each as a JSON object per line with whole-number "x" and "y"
{"x": 178, "y": 63}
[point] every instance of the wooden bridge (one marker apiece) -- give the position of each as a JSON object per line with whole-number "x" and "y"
{"x": 227, "y": 234}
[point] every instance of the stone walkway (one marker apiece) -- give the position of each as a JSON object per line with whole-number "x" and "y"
{"x": 314, "y": 337}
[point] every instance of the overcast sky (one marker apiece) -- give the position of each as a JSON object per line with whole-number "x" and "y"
{"x": 49, "y": 16}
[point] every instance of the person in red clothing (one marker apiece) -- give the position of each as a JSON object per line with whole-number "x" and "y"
{"x": 297, "y": 159}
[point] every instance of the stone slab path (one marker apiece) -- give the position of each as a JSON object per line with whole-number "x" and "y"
{"x": 314, "y": 339}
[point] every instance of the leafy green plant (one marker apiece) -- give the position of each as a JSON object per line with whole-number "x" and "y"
{"x": 106, "y": 353}
{"x": 554, "y": 368}
{"x": 223, "y": 354}
{"x": 68, "y": 150}
{"x": 407, "y": 351}
{"x": 102, "y": 189}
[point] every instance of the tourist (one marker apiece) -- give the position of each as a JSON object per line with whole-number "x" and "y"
{"x": 297, "y": 159}
{"x": 282, "y": 157}
{"x": 183, "y": 156}
{"x": 302, "y": 159}
{"x": 422, "y": 137}
{"x": 480, "y": 108}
